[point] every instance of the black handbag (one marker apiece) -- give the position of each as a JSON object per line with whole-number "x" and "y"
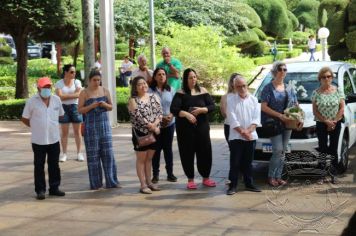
{"x": 272, "y": 127}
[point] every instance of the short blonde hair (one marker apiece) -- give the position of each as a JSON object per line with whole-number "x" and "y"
{"x": 324, "y": 70}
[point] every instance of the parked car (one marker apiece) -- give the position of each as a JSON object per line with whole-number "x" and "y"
{"x": 34, "y": 50}
{"x": 303, "y": 79}
{"x": 10, "y": 41}
{"x": 46, "y": 50}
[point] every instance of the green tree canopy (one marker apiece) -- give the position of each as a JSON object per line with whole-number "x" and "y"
{"x": 52, "y": 20}
{"x": 307, "y": 13}
{"x": 274, "y": 16}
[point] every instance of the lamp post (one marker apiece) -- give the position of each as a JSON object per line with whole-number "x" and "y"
{"x": 53, "y": 53}
{"x": 323, "y": 34}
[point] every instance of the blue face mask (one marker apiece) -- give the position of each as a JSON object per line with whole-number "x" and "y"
{"x": 45, "y": 92}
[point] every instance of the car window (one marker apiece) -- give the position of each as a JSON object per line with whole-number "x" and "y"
{"x": 347, "y": 84}
{"x": 353, "y": 75}
{"x": 303, "y": 85}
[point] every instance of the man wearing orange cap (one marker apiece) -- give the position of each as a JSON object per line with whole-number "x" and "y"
{"x": 41, "y": 114}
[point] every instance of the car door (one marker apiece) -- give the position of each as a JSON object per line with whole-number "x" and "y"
{"x": 349, "y": 79}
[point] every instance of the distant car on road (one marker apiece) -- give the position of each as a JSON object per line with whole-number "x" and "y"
{"x": 302, "y": 77}
{"x": 10, "y": 41}
{"x": 34, "y": 50}
{"x": 46, "y": 50}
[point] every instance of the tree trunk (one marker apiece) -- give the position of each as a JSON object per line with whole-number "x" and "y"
{"x": 132, "y": 47}
{"x": 88, "y": 35}
{"x": 21, "y": 73}
{"x": 59, "y": 56}
{"x": 97, "y": 43}
{"x": 76, "y": 53}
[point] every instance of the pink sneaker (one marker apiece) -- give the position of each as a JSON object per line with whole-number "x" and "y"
{"x": 192, "y": 185}
{"x": 209, "y": 183}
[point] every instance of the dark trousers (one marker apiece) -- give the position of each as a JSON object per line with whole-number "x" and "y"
{"x": 123, "y": 78}
{"x": 54, "y": 174}
{"x": 164, "y": 142}
{"x": 242, "y": 154}
{"x": 227, "y": 133}
{"x": 195, "y": 140}
{"x": 333, "y": 137}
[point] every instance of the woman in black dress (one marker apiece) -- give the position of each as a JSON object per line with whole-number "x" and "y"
{"x": 191, "y": 106}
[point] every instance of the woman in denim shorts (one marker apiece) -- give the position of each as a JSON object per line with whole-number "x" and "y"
{"x": 68, "y": 90}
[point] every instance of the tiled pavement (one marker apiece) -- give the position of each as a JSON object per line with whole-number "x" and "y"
{"x": 172, "y": 211}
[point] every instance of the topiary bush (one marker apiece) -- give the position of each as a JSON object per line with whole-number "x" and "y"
{"x": 350, "y": 40}
{"x": 7, "y": 81}
{"x": 254, "y": 50}
{"x": 11, "y": 109}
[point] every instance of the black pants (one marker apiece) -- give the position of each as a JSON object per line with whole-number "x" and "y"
{"x": 333, "y": 136}
{"x": 195, "y": 140}
{"x": 164, "y": 142}
{"x": 241, "y": 157}
{"x": 54, "y": 174}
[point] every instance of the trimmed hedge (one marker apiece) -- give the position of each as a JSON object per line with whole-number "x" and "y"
{"x": 12, "y": 109}
{"x": 7, "y": 93}
{"x": 6, "y": 61}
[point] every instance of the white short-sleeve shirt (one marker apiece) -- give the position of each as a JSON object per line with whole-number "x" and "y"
{"x": 69, "y": 90}
{"x": 43, "y": 120}
{"x": 137, "y": 72}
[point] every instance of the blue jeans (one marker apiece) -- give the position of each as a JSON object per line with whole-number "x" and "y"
{"x": 164, "y": 142}
{"x": 311, "y": 50}
{"x": 279, "y": 147}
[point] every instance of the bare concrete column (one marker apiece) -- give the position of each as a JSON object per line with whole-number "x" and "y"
{"x": 88, "y": 36}
{"x": 107, "y": 49}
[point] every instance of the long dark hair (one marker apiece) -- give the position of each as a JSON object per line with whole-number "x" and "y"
{"x": 134, "y": 85}
{"x": 67, "y": 67}
{"x": 186, "y": 88}
{"x": 154, "y": 81}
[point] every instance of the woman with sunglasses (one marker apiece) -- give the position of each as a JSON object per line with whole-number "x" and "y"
{"x": 328, "y": 109}
{"x": 68, "y": 90}
{"x": 275, "y": 98}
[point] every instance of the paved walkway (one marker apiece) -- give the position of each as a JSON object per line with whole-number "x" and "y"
{"x": 172, "y": 211}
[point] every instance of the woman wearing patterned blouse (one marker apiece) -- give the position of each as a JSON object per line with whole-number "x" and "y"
{"x": 275, "y": 98}
{"x": 191, "y": 106}
{"x": 328, "y": 109}
{"x": 95, "y": 102}
{"x": 146, "y": 114}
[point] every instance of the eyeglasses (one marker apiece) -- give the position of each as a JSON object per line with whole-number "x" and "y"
{"x": 326, "y": 77}
{"x": 282, "y": 69}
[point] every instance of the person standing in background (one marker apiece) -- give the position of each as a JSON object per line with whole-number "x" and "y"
{"x": 125, "y": 71}
{"x": 312, "y": 47}
{"x": 173, "y": 67}
{"x": 68, "y": 90}
{"x": 142, "y": 69}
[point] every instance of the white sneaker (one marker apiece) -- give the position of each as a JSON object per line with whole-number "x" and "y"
{"x": 63, "y": 158}
{"x": 80, "y": 157}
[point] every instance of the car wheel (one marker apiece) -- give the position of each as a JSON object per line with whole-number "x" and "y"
{"x": 344, "y": 156}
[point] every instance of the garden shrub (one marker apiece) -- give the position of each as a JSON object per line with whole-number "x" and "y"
{"x": 261, "y": 35}
{"x": 244, "y": 39}
{"x": 5, "y": 51}
{"x": 338, "y": 52}
{"x": 351, "y": 41}
{"x": 256, "y": 49}
{"x": 6, "y": 61}
{"x": 7, "y": 93}
{"x": 7, "y": 81}
{"x": 206, "y": 52}
{"x": 42, "y": 67}
{"x": 263, "y": 60}
{"x": 307, "y": 13}
{"x": 294, "y": 53}
{"x": 11, "y": 109}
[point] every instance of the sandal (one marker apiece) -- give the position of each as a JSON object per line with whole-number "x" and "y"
{"x": 145, "y": 190}
{"x": 272, "y": 182}
{"x": 281, "y": 182}
{"x": 153, "y": 187}
{"x": 209, "y": 183}
{"x": 192, "y": 185}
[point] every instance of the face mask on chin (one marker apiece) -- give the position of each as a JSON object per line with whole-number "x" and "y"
{"x": 45, "y": 92}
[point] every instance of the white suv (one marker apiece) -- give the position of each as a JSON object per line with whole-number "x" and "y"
{"x": 303, "y": 78}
